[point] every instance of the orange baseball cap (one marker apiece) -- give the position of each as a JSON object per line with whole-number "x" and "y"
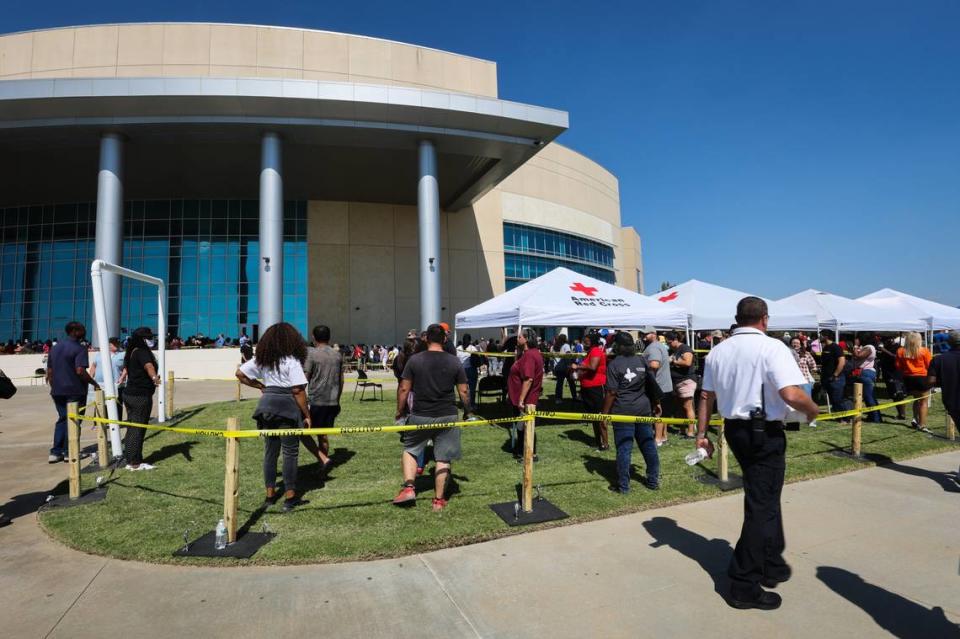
{"x": 445, "y": 326}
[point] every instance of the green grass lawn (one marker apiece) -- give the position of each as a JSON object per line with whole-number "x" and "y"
{"x": 350, "y": 517}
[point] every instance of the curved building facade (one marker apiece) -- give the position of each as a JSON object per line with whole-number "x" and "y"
{"x": 269, "y": 173}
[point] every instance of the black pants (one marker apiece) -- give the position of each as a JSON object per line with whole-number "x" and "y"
{"x": 139, "y": 408}
{"x": 272, "y": 446}
{"x": 759, "y": 551}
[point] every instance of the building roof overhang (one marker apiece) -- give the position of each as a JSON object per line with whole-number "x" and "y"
{"x": 342, "y": 141}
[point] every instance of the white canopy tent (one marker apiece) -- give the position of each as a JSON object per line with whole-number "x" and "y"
{"x": 941, "y": 315}
{"x": 898, "y": 305}
{"x": 565, "y": 298}
{"x": 713, "y": 307}
{"x": 836, "y": 313}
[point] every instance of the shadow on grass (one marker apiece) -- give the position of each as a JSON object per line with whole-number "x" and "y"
{"x": 578, "y": 435}
{"x": 713, "y": 555}
{"x": 171, "y": 450}
{"x": 896, "y": 614}
{"x": 606, "y": 468}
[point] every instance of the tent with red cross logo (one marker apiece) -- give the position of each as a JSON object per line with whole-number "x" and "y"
{"x": 565, "y": 298}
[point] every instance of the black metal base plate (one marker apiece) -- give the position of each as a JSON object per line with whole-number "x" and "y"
{"x": 542, "y": 511}
{"x": 244, "y": 548}
{"x": 733, "y": 481}
{"x": 91, "y": 496}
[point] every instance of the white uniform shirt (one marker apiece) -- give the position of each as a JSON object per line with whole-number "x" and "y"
{"x": 737, "y": 368}
{"x": 287, "y": 375}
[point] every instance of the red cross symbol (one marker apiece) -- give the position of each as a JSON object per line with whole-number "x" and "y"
{"x": 669, "y": 298}
{"x": 589, "y": 291}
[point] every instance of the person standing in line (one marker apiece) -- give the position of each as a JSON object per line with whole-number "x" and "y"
{"x": 753, "y": 379}
{"x": 832, "y": 377}
{"x": 658, "y": 364}
{"x": 913, "y": 360}
{"x": 448, "y": 345}
{"x": 323, "y": 368}
{"x": 525, "y": 385}
{"x": 68, "y": 379}
{"x": 892, "y": 378}
{"x": 277, "y": 371}
{"x": 632, "y": 390}
{"x": 465, "y": 353}
{"x": 944, "y": 372}
{"x": 593, "y": 377}
{"x": 864, "y": 367}
{"x": 561, "y": 369}
{"x": 432, "y": 375}
{"x": 142, "y": 382}
{"x": 806, "y": 362}
{"x": 96, "y": 372}
{"x": 683, "y": 374}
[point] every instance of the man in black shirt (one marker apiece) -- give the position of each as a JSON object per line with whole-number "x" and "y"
{"x": 945, "y": 372}
{"x": 432, "y": 375}
{"x": 832, "y": 378}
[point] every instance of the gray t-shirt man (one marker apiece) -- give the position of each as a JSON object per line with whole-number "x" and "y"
{"x": 324, "y": 370}
{"x": 657, "y": 352}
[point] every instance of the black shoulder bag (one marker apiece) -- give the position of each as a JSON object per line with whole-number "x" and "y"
{"x": 7, "y": 389}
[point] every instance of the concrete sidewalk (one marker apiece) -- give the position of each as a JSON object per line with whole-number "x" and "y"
{"x": 874, "y": 552}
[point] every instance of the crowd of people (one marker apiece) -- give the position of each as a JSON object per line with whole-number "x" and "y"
{"x": 608, "y": 372}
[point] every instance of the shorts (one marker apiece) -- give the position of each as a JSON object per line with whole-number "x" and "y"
{"x": 446, "y": 441}
{"x": 685, "y": 389}
{"x": 592, "y": 397}
{"x": 915, "y": 383}
{"x": 323, "y": 416}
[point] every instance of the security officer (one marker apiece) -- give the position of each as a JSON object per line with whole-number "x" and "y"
{"x": 753, "y": 379}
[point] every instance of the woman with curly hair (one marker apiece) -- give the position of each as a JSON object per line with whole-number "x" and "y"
{"x": 277, "y": 370}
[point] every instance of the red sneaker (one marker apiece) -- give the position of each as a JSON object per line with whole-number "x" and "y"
{"x": 407, "y": 495}
{"x": 419, "y": 471}
{"x": 439, "y": 504}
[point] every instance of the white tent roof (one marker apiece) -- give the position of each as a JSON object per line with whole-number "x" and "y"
{"x": 565, "y": 298}
{"x": 898, "y": 305}
{"x": 942, "y": 316}
{"x": 838, "y": 313}
{"x": 711, "y": 307}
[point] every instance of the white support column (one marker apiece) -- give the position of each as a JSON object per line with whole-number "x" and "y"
{"x": 109, "y": 239}
{"x": 271, "y": 231}
{"x": 428, "y": 209}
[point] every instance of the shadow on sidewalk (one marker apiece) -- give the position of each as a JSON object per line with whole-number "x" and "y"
{"x": 896, "y": 614}
{"x": 713, "y": 555}
{"x": 946, "y": 480}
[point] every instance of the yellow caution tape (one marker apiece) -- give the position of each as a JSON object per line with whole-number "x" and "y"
{"x": 629, "y": 419}
{"x": 285, "y": 432}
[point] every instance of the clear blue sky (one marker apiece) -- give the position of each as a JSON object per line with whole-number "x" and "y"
{"x": 767, "y": 146}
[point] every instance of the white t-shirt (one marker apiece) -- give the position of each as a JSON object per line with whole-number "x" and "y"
{"x": 868, "y": 363}
{"x": 464, "y": 354}
{"x": 737, "y": 368}
{"x": 287, "y": 375}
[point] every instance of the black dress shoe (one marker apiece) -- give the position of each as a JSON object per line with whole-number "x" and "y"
{"x": 766, "y": 601}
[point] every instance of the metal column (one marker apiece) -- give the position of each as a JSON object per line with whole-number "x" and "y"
{"x": 109, "y": 240}
{"x": 428, "y": 210}
{"x": 271, "y": 232}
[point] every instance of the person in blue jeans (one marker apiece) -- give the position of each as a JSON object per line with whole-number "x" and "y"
{"x": 68, "y": 378}
{"x": 864, "y": 362}
{"x": 832, "y": 377}
{"x": 632, "y": 390}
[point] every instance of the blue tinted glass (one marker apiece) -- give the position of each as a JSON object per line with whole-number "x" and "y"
{"x": 532, "y": 252}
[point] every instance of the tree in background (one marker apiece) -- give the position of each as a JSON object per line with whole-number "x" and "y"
{"x": 666, "y": 285}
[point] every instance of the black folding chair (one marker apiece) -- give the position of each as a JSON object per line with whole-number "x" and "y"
{"x": 363, "y": 383}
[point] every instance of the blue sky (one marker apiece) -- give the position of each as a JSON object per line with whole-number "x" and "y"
{"x": 770, "y": 147}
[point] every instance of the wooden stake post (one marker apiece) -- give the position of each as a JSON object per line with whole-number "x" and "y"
{"x": 239, "y": 386}
{"x": 73, "y": 450}
{"x": 231, "y": 483}
{"x": 857, "y": 419}
{"x": 169, "y": 397}
{"x": 724, "y": 461}
{"x": 951, "y": 429}
{"x": 103, "y": 458}
{"x": 528, "y": 439}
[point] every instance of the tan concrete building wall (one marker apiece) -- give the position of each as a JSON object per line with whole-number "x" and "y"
{"x": 363, "y": 258}
{"x": 180, "y": 49}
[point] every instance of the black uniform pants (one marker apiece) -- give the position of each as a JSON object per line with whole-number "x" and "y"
{"x": 759, "y": 551}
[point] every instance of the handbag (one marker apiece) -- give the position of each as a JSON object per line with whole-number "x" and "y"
{"x": 7, "y": 389}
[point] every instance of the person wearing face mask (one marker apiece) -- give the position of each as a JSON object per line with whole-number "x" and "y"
{"x": 142, "y": 382}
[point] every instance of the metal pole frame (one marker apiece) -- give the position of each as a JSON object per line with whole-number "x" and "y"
{"x": 97, "y": 268}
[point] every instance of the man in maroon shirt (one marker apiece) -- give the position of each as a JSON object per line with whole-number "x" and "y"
{"x": 525, "y": 383}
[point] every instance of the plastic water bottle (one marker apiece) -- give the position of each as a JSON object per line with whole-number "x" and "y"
{"x": 221, "y": 541}
{"x": 696, "y": 457}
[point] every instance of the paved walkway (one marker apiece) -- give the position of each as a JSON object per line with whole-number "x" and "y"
{"x": 875, "y": 553}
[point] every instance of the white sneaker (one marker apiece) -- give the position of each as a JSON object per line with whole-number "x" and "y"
{"x": 813, "y": 424}
{"x": 54, "y": 459}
